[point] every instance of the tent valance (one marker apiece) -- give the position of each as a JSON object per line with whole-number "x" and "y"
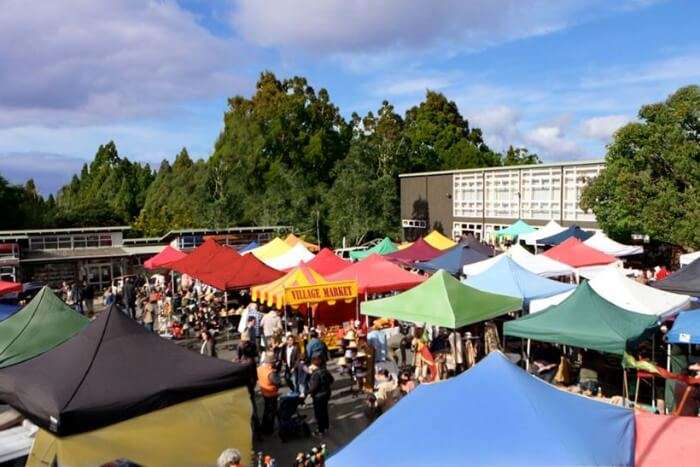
{"x": 273, "y": 293}
{"x": 442, "y": 301}
{"x": 167, "y": 255}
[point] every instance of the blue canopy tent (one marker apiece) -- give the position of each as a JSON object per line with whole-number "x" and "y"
{"x": 7, "y": 310}
{"x": 452, "y": 260}
{"x": 506, "y": 277}
{"x": 686, "y": 328}
{"x": 495, "y": 414}
{"x": 573, "y": 231}
{"x": 251, "y": 246}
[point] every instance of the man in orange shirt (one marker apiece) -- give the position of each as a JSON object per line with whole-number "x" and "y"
{"x": 269, "y": 382}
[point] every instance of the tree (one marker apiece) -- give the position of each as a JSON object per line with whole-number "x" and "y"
{"x": 520, "y": 156}
{"x": 651, "y": 181}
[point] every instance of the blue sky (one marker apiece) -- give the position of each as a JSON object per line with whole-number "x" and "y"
{"x": 557, "y": 77}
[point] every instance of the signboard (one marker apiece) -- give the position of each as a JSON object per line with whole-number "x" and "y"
{"x": 329, "y": 292}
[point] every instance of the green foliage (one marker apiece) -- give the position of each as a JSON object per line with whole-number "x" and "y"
{"x": 651, "y": 181}
{"x": 520, "y": 156}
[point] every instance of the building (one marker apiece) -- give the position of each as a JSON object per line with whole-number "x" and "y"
{"x": 481, "y": 201}
{"x": 99, "y": 254}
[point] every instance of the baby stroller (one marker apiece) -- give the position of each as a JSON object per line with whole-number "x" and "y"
{"x": 291, "y": 423}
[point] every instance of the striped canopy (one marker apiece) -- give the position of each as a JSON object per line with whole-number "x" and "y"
{"x": 272, "y": 293}
{"x": 271, "y": 249}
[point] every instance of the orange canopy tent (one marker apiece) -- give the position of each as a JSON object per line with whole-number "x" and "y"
{"x": 272, "y": 293}
{"x": 292, "y": 240}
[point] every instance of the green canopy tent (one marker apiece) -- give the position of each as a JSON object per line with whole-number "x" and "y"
{"x": 586, "y": 320}
{"x": 442, "y": 301}
{"x": 384, "y": 247}
{"x": 40, "y": 326}
{"x": 514, "y": 230}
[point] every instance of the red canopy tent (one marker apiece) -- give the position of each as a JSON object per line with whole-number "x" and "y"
{"x": 326, "y": 262}
{"x": 10, "y": 287}
{"x": 420, "y": 250}
{"x": 666, "y": 440}
{"x": 577, "y": 254}
{"x": 375, "y": 274}
{"x": 166, "y": 255}
{"x": 223, "y": 268}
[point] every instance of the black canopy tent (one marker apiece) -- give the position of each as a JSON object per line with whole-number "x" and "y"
{"x": 684, "y": 281}
{"x": 111, "y": 371}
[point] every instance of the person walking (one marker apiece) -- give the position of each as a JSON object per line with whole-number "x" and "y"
{"x": 320, "y": 391}
{"x": 149, "y": 315}
{"x": 208, "y": 344}
{"x": 269, "y": 382}
{"x": 89, "y": 299}
{"x": 316, "y": 345}
{"x": 271, "y": 324}
{"x": 290, "y": 358}
{"x": 76, "y": 296}
{"x": 129, "y": 298}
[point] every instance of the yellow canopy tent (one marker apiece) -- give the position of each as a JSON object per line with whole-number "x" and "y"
{"x": 438, "y": 240}
{"x": 191, "y": 433}
{"x": 271, "y": 249}
{"x": 292, "y": 240}
{"x": 404, "y": 245}
{"x": 273, "y": 293}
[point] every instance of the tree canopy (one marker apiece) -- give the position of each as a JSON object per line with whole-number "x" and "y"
{"x": 651, "y": 181}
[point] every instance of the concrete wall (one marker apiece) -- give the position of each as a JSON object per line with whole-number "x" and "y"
{"x": 427, "y": 198}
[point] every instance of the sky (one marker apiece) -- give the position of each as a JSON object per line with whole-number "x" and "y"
{"x": 557, "y": 76}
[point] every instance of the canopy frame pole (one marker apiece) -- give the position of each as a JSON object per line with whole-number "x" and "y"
{"x": 366, "y": 316}
{"x": 625, "y": 388}
{"x": 527, "y": 355}
{"x": 454, "y": 348}
{"x": 653, "y": 379}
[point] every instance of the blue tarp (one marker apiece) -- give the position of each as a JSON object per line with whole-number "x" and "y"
{"x": 506, "y": 277}
{"x": 7, "y": 310}
{"x": 251, "y": 246}
{"x": 494, "y": 414}
{"x": 686, "y": 328}
{"x": 573, "y": 231}
{"x": 452, "y": 260}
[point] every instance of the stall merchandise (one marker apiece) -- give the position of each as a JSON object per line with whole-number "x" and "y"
{"x": 684, "y": 281}
{"x": 538, "y": 264}
{"x": 577, "y": 254}
{"x": 271, "y": 249}
{"x": 375, "y": 274}
{"x": 293, "y": 240}
{"x": 570, "y": 232}
{"x": 384, "y": 247}
{"x": 495, "y": 404}
{"x": 607, "y": 245}
{"x": 41, "y": 325}
{"x": 442, "y": 301}
{"x": 626, "y": 293}
{"x": 326, "y": 262}
{"x": 551, "y": 228}
{"x": 585, "y": 320}
{"x": 515, "y": 230}
{"x": 439, "y": 241}
{"x": 291, "y": 258}
{"x": 166, "y": 255}
{"x": 452, "y": 260}
{"x": 506, "y": 277}
{"x": 420, "y": 250}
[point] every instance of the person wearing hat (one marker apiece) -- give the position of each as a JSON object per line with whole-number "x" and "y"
{"x": 269, "y": 382}
{"x": 320, "y": 391}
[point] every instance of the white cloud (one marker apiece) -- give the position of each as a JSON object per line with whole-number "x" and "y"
{"x": 499, "y": 125}
{"x": 552, "y": 140}
{"x": 49, "y": 171}
{"x": 414, "y": 85}
{"x": 602, "y": 128}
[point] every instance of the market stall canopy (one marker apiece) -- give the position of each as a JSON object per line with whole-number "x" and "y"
{"x": 666, "y": 440}
{"x": 384, "y": 247}
{"x": 251, "y": 246}
{"x": 273, "y": 293}
{"x": 472, "y": 242}
{"x": 420, "y": 250}
{"x": 293, "y": 240}
{"x": 620, "y": 290}
{"x": 584, "y": 319}
{"x": 577, "y": 254}
{"x": 250, "y": 271}
{"x": 506, "y": 277}
{"x": 570, "y": 232}
{"x": 10, "y": 287}
{"x": 111, "y": 370}
{"x": 272, "y": 249}
{"x": 439, "y": 241}
{"x": 685, "y": 281}
{"x": 689, "y": 257}
{"x": 442, "y": 301}
{"x": 404, "y": 245}
{"x": 515, "y": 230}
{"x": 607, "y": 245}
{"x": 375, "y": 274}
{"x": 326, "y": 262}
{"x": 290, "y": 259}
{"x": 41, "y": 325}
{"x": 7, "y": 310}
{"x": 551, "y": 228}
{"x": 495, "y": 404}
{"x": 167, "y": 255}
{"x": 686, "y": 328}
{"x": 452, "y": 260}
{"x": 538, "y": 264}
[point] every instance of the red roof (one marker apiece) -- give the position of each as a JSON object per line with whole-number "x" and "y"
{"x": 577, "y": 254}
{"x": 375, "y": 274}
{"x": 420, "y": 250}
{"x": 9, "y": 287}
{"x": 166, "y": 255}
{"x": 223, "y": 268}
{"x": 326, "y": 262}
{"x": 666, "y": 440}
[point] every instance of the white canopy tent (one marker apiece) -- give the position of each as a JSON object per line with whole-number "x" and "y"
{"x": 551, "y": 228}
{"x": 626, "y": 293}
{"x": 537, "y": 264}
{"x": 291, "y": 258}
{"x": 689, "y": 258}
{"x": 602, "y": 242}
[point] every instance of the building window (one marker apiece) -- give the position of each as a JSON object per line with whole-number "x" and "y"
{"x": 490, "y": 229}
{"x": 575, "y": 179}
{"x": 468, "y": 194}
{"x": 541, "y": 193}
{"x": 502, "y": 194}
{"x": 413, "y": 224}
{"x": 464, "y": 228}
{"x": 188, "y": 242}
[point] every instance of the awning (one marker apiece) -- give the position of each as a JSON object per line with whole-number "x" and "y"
{"x": 686, "y": 328}
{"x": 551, "y": 228}
{"x": 439, "y": 241}
{"x": 515, "y": 230}
{"x": 271, "y": 249}
{"x": 326, "y": 262}
{"x": 10, "y": 287}
{"x": 538, "y": 264}
{"x": 420, "y": 250}
{"x": 384, "y": 247}
{"x": 442, "y": 301}
{"x": 689, "y": 258}
{"x": 577, "y": 254}
{"x": 452, "y": 260}
{"x": 607, "y": 245}
{"x": 375, "y": 274}
{"x": 570, "y": 232}
{"x": 685, "y": 281}
{"x": 272, "y": 294}
{"x": 293, "y": 240}
{"x": 167, "y": 255}
{"x": 291, "y": 259}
